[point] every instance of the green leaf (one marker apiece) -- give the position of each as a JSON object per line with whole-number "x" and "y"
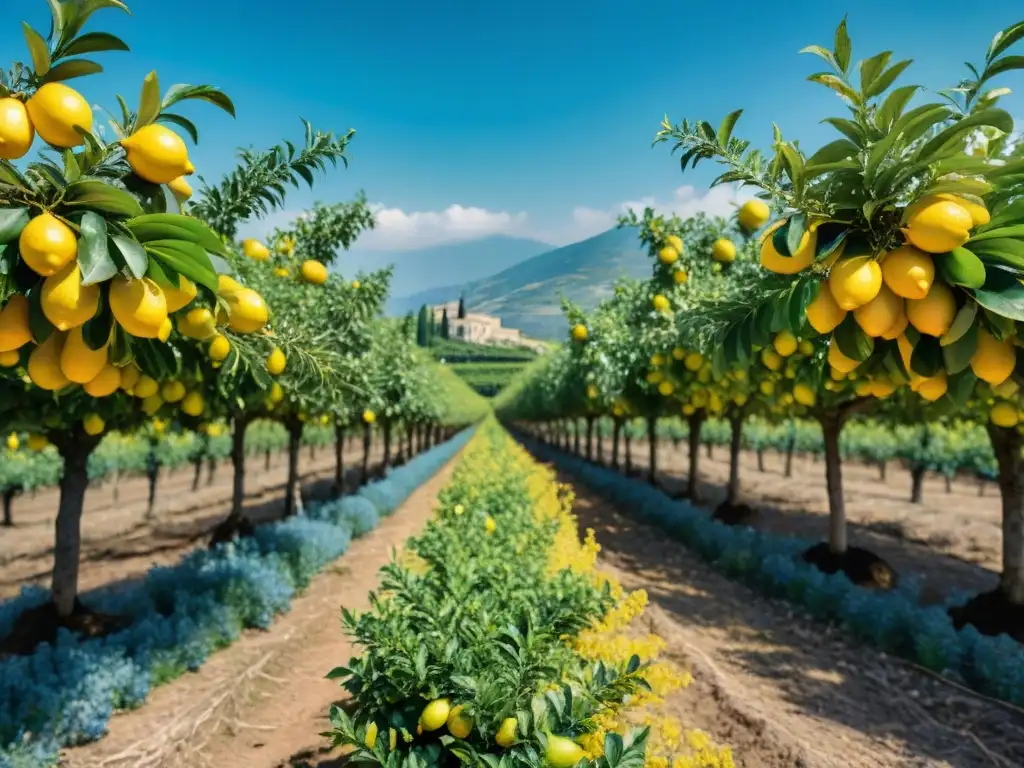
{"x": 848, "y": 128}
{"x": 964, "y": 186}
{"x": 927, "y": 357}
{"x": 163, "y": 276}
{"x": 961, "y": 387}
{"x": 186, "y": 258}
{"x": 70, "y": 69}
{"x": 38, "y": 323}
{"x": 886, "y": 79}
{"x": 725, "y": 129}
{"x": 842, "y": 47}
{"x": 949, "y": 137}
{"x": 894, "y": 105}
{"x": 1005, "y": 64}
{"x": 149, "y": 102}
{"x": 99, "y": 196}
{"x": 1003, "y": 294}
{"x": 96, "y": 331}
{"x": 836, "y": 84}
{"x": 9, "y": 175}
{"x": 795, "y": 232}
{"x": 12, "y": 221}
{"x": 37, "y": 48}
{"x": 869, "y": 68}
{"x": 824, "y": 53}
{"x": 957, "y": 354}
{"x": 804, "y": 293}
{"x": 133, "y": 254}
{"x": 93, "y": 256}
{"x": 1005, "y": 251}
{"x": 840, "y": 149}
{"x": 1004, "y": 39}
{"x": 780, "y": 240}
{"x": 121, "y": 350}
{"x": 852, "y": 341}
{"x": 962, "y": 323}
{"x": 904, "y": 131}
{"x": 831, "y": 235}
{"x": 174, "y": 226}
{"x": 205, "y": 93}
{"x": 184, "y": 123}
{"x": 95, "y": 42}
{"x": 1015, "y": 230}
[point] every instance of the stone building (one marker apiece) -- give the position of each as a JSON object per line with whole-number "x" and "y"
{"x": 480, "y": 328}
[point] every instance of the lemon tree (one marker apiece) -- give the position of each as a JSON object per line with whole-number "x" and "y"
{"x": 898, "y": 248}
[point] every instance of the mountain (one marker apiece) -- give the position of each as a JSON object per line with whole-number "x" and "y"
{"x": 527, "y": 295}
{"x": 440, "y": 265}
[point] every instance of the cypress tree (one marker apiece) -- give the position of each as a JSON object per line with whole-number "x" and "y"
{"x": 444, "y": 324}
{"x": 462, "y": 307}
{"x": 422, "y": 328}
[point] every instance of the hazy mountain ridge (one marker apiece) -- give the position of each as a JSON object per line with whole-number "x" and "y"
{"x": 527, "y": 295}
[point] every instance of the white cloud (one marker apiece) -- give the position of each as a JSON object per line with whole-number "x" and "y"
{"x": 400, "y": 230}
{"x": 685, "y": 202}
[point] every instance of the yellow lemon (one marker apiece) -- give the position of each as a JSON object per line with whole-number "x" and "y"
{"x": 668, "y": 255}
{"x": 979, "y": 213}
{"x": 37, "y": 442}
{"x": 823, "y": 313}
{"x": 165, "y": 330}
{"x": 675, "y": 241}
{"x": 146, "y": 386}
{"x": 193, "y": 404}
{"x": 666, "y": 388}
{"x": 157, "y": 154}
{"x": 435, "y": 714}
{"x": 774, "y": 261}
{"x": 838, "y": 360}
{"x": 881, "y": 314}
{"x": 933, "y": 314}
{"x": 678, "y": 353}
{"x": 44, "y": 363}
{"x": 313, "y": 271}
{"x": 804, "y": 395}
{"x": 370, "y": 740}
{"x": 680, "y": 276}
{"x": 993, "y": 361}
{"x": 276, "y": 362}
{"x": 16, "y": 131}
{"x": 13, "y": 442}
{"x": 753, "y": 214}
{"x": 172, "y": 391}
{"x": 247, "y": 312}
{"x": 280, "y": 272}
{"x": 579, "y": 332}
{"x": 660, "y": 303}
{"x": 255, "y": 250}
{"x": 103, "y": 383}
{"x": 182, "y": 189}
{"x": 180, "y": 297}
{"x": 506, "y": 735}
{"x": 908, "y": 271}
{"x": 723, "y": 251}
{"x": 460, "y": 725}
{"x": 785, "y": 343}
{"x": 805, "y": 347}
{"x": 93, "y": 424}
{"x": 78, "y": 362}
{"x": 14, "y": 327}
{"x": 933, "y": 387}
{"x": 369, "y": 416}
{"x": 881, "y": 388}
{"x": 355, "y": 284}
{"x": 276, "y": 393}
{"x": 65, "y": 301}
{"x": 771, "y": 359}
{"x": 55, "y": 109}
{"x": 1004, "y": 415}
{"x": 937, "y": 226}
{"x": 561, "y": 752}
{"x": 767, "y": 388}
{"x": 139, "y": 306}
{"x": 130, "y": 375}
{"x": 47, "y": 244}
{"x": 227, "y": 286}
{"x": 10, "y": 358}
{"x": 220, "y": 347}
{"x": 198, "y": 324}
{"x": 855, "y": 281}
{"x": 693, "y": 361}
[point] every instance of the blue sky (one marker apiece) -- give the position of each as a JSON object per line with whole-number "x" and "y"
{"x": 534, "y": 117}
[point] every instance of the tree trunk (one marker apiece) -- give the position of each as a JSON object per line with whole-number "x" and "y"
{"x": 831, "y": 427}
{"x": 710, "y": 449}
{"x": 312, "y": 451}
{"x": 576, "y": 436}
{"x": 790, "y": 448}
{"x": 616, "y": 432}
{"x": 916, "y": 484}
{"x": 628, "y": 439}
{"x": 367, "y": 444}
{"x": 600, "y": 445}
{"x": 590, "y": 438}
{"x": 949, "y": 483}
{"x": 238, "y": 466}
{"x": 293, "y": 488}
{"x": 760, "y": 458}
{"x": 981, "y": 487}
{"x": 652, "y": 444}
{"x": 695, "y": 422}
{"x": 409, "y": 442}
{"x": 339, "y": 459}
{"x": 152, "y": 474}
{"x": 735, "y": 443}
{"x": 211, "y": 470}
{"x": 266, "y": 461}
{"x": 9, "y": 494}
{"x": 1006, "y": 443}
{"x": 883, "y": 469}
{"x": 75, "y": 449}
{"x": 386, "y": 461}
{"x": 197, "y": 472}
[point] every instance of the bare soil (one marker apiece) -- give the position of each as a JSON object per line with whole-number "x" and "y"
{"x": 951, "y": 541}
{"x": 263, "y": 702}
{"x": 784, "y": 690}
{"x": 119, "y": 541}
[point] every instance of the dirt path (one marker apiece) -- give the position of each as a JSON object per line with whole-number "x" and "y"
{"x": 950, "y": 541}
{"x": 784, "y": 690}
{"x": 263, "y": 702}
{"x": 118, "y": 541}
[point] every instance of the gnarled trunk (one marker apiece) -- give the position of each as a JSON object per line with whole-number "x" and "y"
{"x": 339, "y": 458}
{"x": 75, "y": 449}
{"x": 831, "y": 427}
{"x": 1006, "y": 443}
{"x": 238, "y": 466}
{"x": 9, "y": 494}
{"x": 152, "y": 475}
{"x": 695, "y": 423}
{"x": 652, "y": 450}
{"x": 293, "y": 487}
